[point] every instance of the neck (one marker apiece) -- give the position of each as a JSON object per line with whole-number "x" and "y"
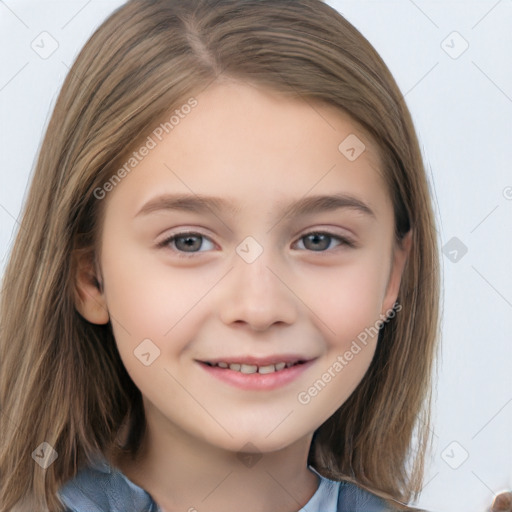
{"x": 183, "y": 473}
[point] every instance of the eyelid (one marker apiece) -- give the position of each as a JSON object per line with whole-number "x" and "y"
{"x": 343, "y": 240}
{"x": 181, "y": 234}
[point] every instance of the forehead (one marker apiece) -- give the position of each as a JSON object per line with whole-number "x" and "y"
{"x": 250, "y": 143}
{"x": 261, "y": 118}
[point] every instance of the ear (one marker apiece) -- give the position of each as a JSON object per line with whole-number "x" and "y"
{"x": 400, "y": 254}
{"x": 89, "y": 295}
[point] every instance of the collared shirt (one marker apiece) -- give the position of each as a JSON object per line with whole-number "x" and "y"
{"x": 104, "y": 488}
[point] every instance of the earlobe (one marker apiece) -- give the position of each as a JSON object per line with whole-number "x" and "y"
{"x": 89, "y": 295}
{"x": 401, "y": 254}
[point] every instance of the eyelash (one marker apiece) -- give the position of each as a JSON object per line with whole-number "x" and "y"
{"x": 181, "y": 254}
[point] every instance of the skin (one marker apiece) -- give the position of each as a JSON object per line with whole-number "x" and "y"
{"x": 258, "y": 149}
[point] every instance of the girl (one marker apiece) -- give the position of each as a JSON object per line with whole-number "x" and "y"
{"x": 224, "y": 292}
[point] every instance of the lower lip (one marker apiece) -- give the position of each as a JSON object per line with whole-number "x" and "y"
{"x": 257, "y": 381}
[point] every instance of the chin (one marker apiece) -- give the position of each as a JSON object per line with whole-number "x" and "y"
{"x": 260, "y": 442}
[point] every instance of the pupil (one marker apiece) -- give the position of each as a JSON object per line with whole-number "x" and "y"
{"x": 188, "y": 242}
{"x": 319, "y": 241}
{"x": 319, "y": 238}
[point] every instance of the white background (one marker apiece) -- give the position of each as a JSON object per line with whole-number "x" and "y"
{"x": 462, "y": 107}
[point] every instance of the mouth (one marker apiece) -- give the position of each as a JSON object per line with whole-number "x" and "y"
{"x": 258, "y": 374}
{"x": 248, "y": 368}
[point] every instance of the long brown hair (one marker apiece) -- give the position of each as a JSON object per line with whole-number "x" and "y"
{"x": 62, "y": 380}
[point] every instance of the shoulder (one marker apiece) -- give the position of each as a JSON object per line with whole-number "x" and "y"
{"x": 345, "y": 496}
{"x": 100, "y": 487}
{"x": 352, "y": 498}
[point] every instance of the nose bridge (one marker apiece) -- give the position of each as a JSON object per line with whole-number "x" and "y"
{"x": 256, "y": 275}
{"x": 252, "y": 271}
{"x": 255, "y": 293}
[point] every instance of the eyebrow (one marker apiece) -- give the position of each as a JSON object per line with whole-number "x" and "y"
{"x": 304, "y": 206}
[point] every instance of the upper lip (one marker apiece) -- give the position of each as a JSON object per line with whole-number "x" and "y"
{"x": 259, "y": 361}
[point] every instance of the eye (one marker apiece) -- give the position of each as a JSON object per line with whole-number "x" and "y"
{"x": 187, "y": 244}
{"x": 183, "y": 243}
{"x": 319, "y": 241}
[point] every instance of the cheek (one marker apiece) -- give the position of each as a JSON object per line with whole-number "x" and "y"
{"x": 346, "y": 300}
{"x": 330, "y": 388}
{"x": 147, "y": 304}
{"x": 148, "y": 298}
{"x": 348, "y": 309}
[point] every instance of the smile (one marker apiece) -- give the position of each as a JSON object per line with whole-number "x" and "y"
{"x": 252, "y": 368}
{"x": 257, "y": 375}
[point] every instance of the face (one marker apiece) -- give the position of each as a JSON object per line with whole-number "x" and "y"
{"x": 209, "y": 299}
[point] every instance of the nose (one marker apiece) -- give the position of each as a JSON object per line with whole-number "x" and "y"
{"x": 257, "y": 294}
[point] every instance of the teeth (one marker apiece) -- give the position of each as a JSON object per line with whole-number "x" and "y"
{"x": 252, "y": 368}
{"x": 248, "y": 368}
{"x": 267, "y": 369}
